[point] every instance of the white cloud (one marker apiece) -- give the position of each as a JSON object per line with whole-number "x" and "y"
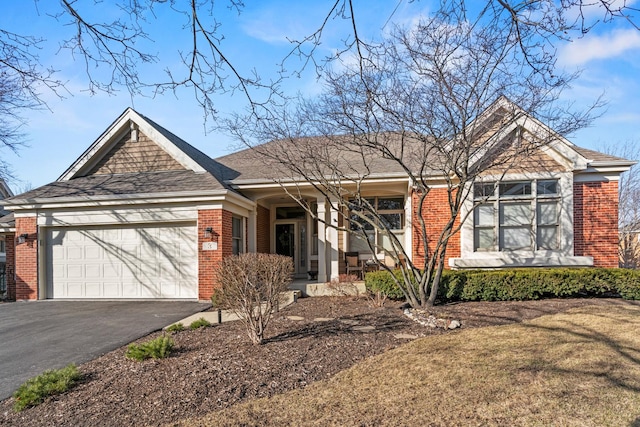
{"x": 594, "y": 47}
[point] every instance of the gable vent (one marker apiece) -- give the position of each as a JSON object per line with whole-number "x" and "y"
{"x": 134, "y": 132}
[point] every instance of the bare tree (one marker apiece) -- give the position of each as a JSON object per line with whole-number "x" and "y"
{"x": 443, "y": 103}
{"x": 115, "y": 49}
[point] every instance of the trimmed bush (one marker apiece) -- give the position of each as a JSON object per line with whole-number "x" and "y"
{"x": 35, "y": 390}
{"x": 521, "y": 284}
{"x": 200, "y": 323}
{"x": 158, "y": 348}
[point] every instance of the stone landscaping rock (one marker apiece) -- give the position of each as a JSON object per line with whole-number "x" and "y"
{"x": 297, "y": 318}
{"x": 429, "y": 320}
{"x": 349, "y": 322}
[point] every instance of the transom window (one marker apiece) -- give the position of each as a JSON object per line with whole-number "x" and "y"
{"x": 390, "y": 211}
{"x": 516, "y": 215}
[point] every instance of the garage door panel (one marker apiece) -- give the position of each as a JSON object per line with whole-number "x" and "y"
{"x": 93, "y": 289}
{"x": 129, "y": 262}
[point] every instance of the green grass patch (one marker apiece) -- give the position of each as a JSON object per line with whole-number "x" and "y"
{"x": 158, "y": 348}
{"x": 200, "y": 323}
{"x": 49, "y": 383}
{"x": 579, "y": 368}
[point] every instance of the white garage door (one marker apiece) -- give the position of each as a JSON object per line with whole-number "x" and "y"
{"x": 117, "y": 262}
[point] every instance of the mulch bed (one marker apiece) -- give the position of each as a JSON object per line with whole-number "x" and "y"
{"x": 213, "y": 368}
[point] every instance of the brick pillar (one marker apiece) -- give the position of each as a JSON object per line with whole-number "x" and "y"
{"x": 436, "y": 213}
{"x": 26, "y": 259}
{"x": 595, "y": 222}
{"x": 10, "y": 269}
{"x": 208, "y": 260}
{"x": 263, "y": 230}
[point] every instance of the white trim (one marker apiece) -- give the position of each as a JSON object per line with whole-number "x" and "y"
{"x": 132, "y": 199}
{"x": 505, "y": 261}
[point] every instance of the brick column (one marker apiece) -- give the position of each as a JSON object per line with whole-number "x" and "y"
{"x": 220, "y": 221}
{"x": 26, "y": 259}
{"x": 436, "y": 213}
{"x": 595, "y": 222}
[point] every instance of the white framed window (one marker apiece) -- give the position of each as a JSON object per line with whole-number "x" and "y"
{"x": 237, "y": 235}
{"x": 390, "y": 211}
{"x": 516, "y": 215}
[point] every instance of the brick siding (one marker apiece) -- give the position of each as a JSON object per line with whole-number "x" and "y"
{"x": 436, "y": 213}
{"x": 595, "y": 222}
{"x": 263, "y": 230}
{"x": 220, "y": 221}
{"x": 26, "y": 259}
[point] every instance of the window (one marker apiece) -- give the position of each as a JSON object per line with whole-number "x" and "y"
{"x": 237, "y": 235}
{"x": 516, "y": 215}
{"x": 2, "y": 245}
{"x": 390, "y": 212}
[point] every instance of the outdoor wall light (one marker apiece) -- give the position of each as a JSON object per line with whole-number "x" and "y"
{"x": 23, "y": 238}
{"x": 208, "y": 232}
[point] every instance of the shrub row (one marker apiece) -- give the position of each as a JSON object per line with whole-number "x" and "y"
{"x": 521, "y": 284}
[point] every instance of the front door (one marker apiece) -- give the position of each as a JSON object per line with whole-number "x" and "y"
{"x": 291, "y": 241}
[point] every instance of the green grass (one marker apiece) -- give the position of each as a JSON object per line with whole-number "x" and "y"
{"x": 580, "y": 368}
{"x": 158, "y": 348}
{"x": 49, "y": 383}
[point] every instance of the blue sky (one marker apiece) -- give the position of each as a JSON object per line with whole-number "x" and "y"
{"x": 609, "y": 58}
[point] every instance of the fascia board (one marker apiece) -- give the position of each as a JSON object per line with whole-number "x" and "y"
{"x": 127, "y": 199}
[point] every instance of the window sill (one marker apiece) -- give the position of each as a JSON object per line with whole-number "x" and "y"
{"x": 510, "y": 261}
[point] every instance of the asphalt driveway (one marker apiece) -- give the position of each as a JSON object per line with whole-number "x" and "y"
{"x": 40, "y": 335}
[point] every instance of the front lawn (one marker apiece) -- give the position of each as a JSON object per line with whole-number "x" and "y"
{"x": 332, "y": 361}
{"x": 580, "y": 368}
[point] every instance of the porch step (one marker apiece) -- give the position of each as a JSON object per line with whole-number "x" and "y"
{"x": 316, "y": 289}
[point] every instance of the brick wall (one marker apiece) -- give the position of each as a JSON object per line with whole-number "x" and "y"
{"x": 436, "y": 213}
{"x": 26, "y": 259}
{"x": 595, "y": 221}
{"x": 263, "y": 230}
{"x": 10, "y": 249}
{"x": 220, "y": 221}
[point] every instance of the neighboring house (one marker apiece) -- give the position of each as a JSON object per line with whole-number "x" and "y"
{"x": 143, "y": 214}
{"x": 5, "y": 217}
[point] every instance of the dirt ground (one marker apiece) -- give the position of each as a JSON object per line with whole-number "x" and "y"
{"x": 216, "y": 367}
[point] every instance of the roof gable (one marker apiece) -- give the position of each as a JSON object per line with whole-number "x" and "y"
{"x": 114, "y": 151}
{"x": 135, "y": 152}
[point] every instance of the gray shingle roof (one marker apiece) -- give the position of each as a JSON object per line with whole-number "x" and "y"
{"x": 124, "y": 184}
{"x": 597, "y": 156}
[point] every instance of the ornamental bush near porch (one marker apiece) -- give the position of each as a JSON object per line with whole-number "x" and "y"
{"x": 521, "y": 284}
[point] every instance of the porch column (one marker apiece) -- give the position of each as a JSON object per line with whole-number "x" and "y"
{"x": 322, "y": 255}
{"x": 332, "y": 240}
{"x": 252, "y": 239}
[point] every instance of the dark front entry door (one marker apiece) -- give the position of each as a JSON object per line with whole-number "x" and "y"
{"x": 285, "y": 239}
